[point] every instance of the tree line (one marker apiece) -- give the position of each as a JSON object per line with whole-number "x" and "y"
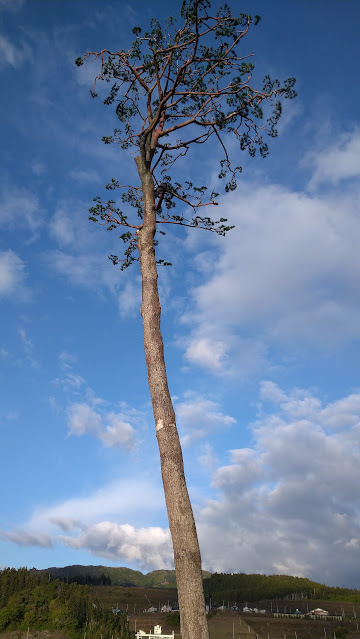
{"x": 88, "y": 580}
{"x": 240, "y": 587}
{"x": 28, "y": 599}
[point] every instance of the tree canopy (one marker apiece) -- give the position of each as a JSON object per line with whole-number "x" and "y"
{"x": 176, "y": 87}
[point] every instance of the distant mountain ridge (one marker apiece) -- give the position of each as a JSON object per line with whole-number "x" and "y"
{"x": 119, "y": 576}
{"x": 218, "y": 587}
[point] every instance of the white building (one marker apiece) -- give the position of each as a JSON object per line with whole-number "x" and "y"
{"x": 153, "y": 635}
{"x": 152, "y": 609}
{"x": 319, "y": 612}
{"x": 166, "y": 608}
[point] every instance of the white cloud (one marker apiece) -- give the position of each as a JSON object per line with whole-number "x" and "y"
{"x": 69, "y": 379}
{"x": 28, "y": 348}
{"x": 71, "y": 229}
{"x": 287, "y": 274}
{"x": 96, "y": 416}
{"x": 28, "y": 343}
{"x": 229, "y": 356}
{"x": 23, "y": 203}
{"x": 13, "y": 276}
{"x": 12, "y": 416}
{"x": 198, "y": 417}
{"x": 62, "y": 228}
{"x": 129, "y": 299}
{"x": 340, "y": 414}
{"x": 245, "y": 469}
{"x": 85, "y": 74}
{"x": 89, "y": 176}
{"x": 207, "y": 458}
{"x": 150, "y": 548}
{"x": 12, "y": 5}
{"x": 117, "y": 431}
{"x": 91, "y": 270}
{"x": 111, "y": 428}
{"x": 84, "y": 522}
{"x": 338, "y": 161}
{"x": 13, "y": 55}
{"x": 120, "y": 498}
{"x": 76, "y": 268}
{"x": 289, "y": 503}
{"x": 24, "y": 538}
{"x": 207, "y": 351}
{"x": 37, "y": 167}
{"x": 343, "y": 412}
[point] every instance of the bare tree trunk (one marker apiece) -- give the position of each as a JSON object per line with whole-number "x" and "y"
{"x": 181, "y": 520}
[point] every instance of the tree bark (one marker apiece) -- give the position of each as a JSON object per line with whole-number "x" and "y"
{"x": 181, "y": 520}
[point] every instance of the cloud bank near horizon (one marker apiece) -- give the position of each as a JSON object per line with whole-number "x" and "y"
{"x": 278, "y": 507}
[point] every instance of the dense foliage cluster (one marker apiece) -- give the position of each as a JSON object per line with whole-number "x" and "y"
{"x": 239, "y": 587}
{"x": 29, "y": 600}
{"x": 87, "y": 580}
{"x": 173, "y": 620}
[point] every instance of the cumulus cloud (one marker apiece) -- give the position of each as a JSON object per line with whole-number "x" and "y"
{"x": 207, "y": 351}
{"x": 287, "y": 274}
{"x": 150, "y": 548}
{"x": 231, "y": 355}
{"x": 13, "y": 276}
{"x": 289, "y": 503}
{"x": 245, "y": 469}
{"x": 286, "y": 504}
{"x": 199, "y": 416}
{"x": 113, "y": 429}
{"x": 90, "y": 523}
{"x": 94, "y": 415}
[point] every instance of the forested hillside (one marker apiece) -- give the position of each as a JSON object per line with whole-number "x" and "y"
{"x": 29, "y": 600}
{"x": 239, "y": 587}
{"x": 39, "y": 600}
{"x": 106, "y": 576}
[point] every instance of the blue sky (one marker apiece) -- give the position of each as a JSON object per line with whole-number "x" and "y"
{"x": 261, "y": 328}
